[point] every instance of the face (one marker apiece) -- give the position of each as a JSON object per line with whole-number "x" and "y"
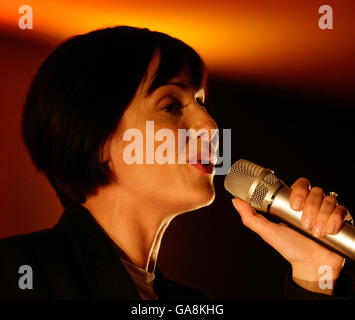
{"x": 176, "y": 186}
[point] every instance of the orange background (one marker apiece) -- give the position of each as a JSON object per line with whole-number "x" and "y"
{"x": 273, "y": 41}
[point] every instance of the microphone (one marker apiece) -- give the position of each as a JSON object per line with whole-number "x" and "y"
{"x": 261, "y": 188}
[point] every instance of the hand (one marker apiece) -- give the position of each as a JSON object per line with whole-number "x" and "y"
{"x": 321, "y": 214}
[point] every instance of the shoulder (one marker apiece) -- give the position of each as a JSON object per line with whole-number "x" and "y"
{"x": 36, "y": 266}
{"x": 19, "y": 260}
{"x": 23, "y": 241}
{"x": 26, "y": 247}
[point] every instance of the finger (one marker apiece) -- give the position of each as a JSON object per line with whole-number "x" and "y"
{"x": 254, "y": 221}
{"x": 312, "y": 206}
{"x": 336, "y": 220}
{"x": 279, "y": 236}
{"x": 321, "y": 220}
{"x": 300, "y": 190}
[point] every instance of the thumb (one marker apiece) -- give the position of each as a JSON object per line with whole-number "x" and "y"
{"x": 254, "y": 221}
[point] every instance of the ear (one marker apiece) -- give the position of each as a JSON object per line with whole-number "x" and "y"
{"x": 105, "y": 155}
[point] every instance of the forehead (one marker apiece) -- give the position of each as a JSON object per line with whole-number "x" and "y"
{"x": 184, "y": 77}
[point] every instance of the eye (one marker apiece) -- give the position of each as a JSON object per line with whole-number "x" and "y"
{"x": 174, "y": 107}
{"x": 201, "y": 102}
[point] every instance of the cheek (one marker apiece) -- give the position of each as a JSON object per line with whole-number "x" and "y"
{"x": 182, "y": 183}
{"x": 172, "y": 182}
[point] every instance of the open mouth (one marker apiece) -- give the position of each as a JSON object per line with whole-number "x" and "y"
{"x": 204, "y": 167}
{"x": 204, "y": 161}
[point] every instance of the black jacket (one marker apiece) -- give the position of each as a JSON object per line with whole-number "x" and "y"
{"x": 76, "y": 260}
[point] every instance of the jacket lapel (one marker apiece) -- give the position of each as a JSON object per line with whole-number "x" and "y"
{"x": 105, "y": 274}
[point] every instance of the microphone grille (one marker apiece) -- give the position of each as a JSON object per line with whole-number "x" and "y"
{"x": 243, "y": 175}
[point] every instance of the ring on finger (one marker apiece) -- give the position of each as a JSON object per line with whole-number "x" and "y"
{"x": 333, "y": 194}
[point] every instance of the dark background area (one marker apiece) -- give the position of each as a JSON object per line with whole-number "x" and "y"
{"x": 296, "y": 134}
{"x": 294, "y": 130}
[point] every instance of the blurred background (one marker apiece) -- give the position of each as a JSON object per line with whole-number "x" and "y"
{"x": 285, "y": 87}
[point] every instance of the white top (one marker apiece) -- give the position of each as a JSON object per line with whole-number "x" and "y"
{"x": 143, "y": 280}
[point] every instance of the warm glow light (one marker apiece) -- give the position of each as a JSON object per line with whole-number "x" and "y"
{"x": 260, "y": 39}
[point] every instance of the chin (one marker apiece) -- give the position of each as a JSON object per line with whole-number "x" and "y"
{"x": 208, "y": 199}
{"x": 203, "y": 198}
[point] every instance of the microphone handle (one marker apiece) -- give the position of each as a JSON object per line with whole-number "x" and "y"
{"x": 343, "y": 242}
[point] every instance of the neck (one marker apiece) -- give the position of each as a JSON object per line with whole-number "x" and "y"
{"x": 135, "y": 225}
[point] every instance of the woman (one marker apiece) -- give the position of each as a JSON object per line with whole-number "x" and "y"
{"x": 86, "y": 97}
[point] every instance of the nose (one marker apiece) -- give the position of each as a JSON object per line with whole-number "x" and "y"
{"x": 204, "y": 128}
{"x": 201, "y": 121}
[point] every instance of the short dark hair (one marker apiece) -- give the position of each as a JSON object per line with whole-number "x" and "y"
{"x": 78, "y": 96}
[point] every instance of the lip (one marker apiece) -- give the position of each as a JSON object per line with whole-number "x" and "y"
{"x": 205, "y": 158}
{"x": 203, "y": 162}
{"x": 205, "y": 168}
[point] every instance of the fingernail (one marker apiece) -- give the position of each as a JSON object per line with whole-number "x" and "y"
{"x": 318, "y": 229}
{"x": 330, "y": 228}
{"x": 307, "y": 222}
{"x": 297, "y": 204}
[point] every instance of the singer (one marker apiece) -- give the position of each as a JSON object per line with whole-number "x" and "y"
{"x": 85, "y": 96}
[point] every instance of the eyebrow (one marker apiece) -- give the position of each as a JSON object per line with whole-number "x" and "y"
{"x": 180, "y": 85}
